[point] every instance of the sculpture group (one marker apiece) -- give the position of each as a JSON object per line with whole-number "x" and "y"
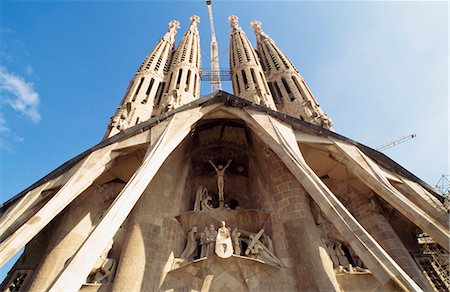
{"x": 225, "y": 242}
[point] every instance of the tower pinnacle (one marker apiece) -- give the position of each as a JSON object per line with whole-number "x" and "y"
{"x": 246, "y": 71}
{"x": 194, "y": 19}
{"x": 234, "y": 21}
{"x": 146, "y": 86}
{"x": 289, "y": 90}
{"x": 182, "y": 82}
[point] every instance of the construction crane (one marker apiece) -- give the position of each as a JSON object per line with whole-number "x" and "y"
{"x": 395, "y": 142}
{"x": 215, "y": 71}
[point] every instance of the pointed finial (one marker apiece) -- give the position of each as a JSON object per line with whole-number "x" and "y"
{"x": 194, "y": 20}
{"x": 233, "y": 21}
{"x": 256, "y": 24}
{"x": 173, "y": 26}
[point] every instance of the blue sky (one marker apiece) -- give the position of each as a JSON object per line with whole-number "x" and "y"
{"x": 378, "y": 69}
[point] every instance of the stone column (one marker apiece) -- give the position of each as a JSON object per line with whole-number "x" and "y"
{"x": 154, "y": 236}
{"x": 369, "y": 213}
{"x": 70, "y": 232}
{"x": 295, "y": 234}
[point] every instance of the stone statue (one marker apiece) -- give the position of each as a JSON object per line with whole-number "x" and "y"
{"x": 211, "y": 240}
{"x": 201, "y": 191}
{"x": 343, "y": 260}
{"x": 203, "y": 244}
{"x": 258, "y": 250}
{"x": 205, "y": 203}
{"x": 103, "y": 269}
{"x": 267, "y": 241}
{"x": 205, "y": 248}
{"x": 220, "y": 171}
{"x": 332, "y": 253}
{"x": 191, "y": 244}
{"x": 224, "y": 246}
{"x": 235, "y": 234}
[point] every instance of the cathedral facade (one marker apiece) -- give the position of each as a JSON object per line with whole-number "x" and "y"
{"x": 250, "y": 191}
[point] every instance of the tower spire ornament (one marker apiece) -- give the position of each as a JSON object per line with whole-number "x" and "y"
{"x": 289, "y": 90}
{"x": 247, "y": 74}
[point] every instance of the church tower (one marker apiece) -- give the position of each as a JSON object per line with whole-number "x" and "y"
{"x": 183, "y": 79}
{"x": 291, "y": 94}
{"x": 246, "y": 72}
{"x": 228, "y": 192}
{"x": 146, "y": 86}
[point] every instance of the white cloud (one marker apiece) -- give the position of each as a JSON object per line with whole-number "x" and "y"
{"x": 19, "y": 94}
{"x": 3, "y": 127}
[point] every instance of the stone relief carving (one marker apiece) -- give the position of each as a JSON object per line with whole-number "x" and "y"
{"x": 342, "y": 262}
{"x": 103, "y": 270}
{"x": 225, "y": 242}
{"x": 345, "y": 262}
{"x": 258, "y": 250}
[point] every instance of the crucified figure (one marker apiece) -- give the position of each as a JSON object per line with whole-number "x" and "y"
{"x": 220, "y": 171}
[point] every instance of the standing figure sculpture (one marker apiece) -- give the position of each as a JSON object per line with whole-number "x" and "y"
{"x": 235, "y": 234}
{"x": 191, "y": 244}
{"x": 220, "y": 171}
{"x": 224, "y": 246}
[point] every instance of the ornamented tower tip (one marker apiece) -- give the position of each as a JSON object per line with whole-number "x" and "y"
{"x": 182, "y": 82}
{"x": 289, "y": 90}
{"x": 234, "y": 21}
{"x": 246, "y": 72}
{"x": 146, "y": 86}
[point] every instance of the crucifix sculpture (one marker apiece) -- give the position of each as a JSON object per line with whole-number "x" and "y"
{"x": 220, "y": 171}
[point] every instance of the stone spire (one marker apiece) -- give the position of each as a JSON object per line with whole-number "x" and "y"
{"x": 145, "y": 89}
{"x": 182, "y": 83}
{"x": 247, "y": 75}
{"x": 291, "y": 94}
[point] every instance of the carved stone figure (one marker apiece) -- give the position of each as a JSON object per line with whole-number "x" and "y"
{"x": 224, "y": 246}
{"x": 191, "y": 244}
{"x": 332, "y": 253}
{"x": 206, "y": 246}
{"x": 206, "y": 203}
{"x": 258, "y": 250}
{"x": 211, "y": 240}
{"x": 220, "y": 171}
{"x": 235, "y": 234}
{"x": 343, "y": 261}
{"x": 199, "y": 197}
{"x": 267, "y": 241}
{"x": 203, "y": 243}
{"x": 103, "y": 269}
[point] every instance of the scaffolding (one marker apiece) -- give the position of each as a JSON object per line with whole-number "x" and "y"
{"x": 443, "y": 185}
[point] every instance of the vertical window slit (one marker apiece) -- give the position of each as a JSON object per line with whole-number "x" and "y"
{"x": 188, "y": 80}
{"x": 237, "y": 84}
{"x": 179, "y": 78}
{"x": 159, "y": 92}
{"x": 137, "y": 89}
{"x": 244, "y": 78}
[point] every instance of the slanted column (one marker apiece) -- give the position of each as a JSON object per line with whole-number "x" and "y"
{"x": 296, "y": 238}
{"x": 154, "y": 237}
{"x": 289, "y": 90}
{"x": 145, "y": 89}
{"x": 70, "y": 233}
{"x": 182, "y": 83}
{"x": 368, "y": 212}
{"x": 247, "y": 75}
